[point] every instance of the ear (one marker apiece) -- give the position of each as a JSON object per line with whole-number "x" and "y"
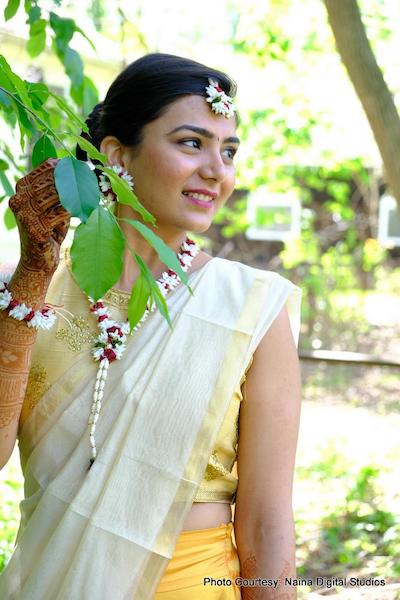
{"x": 114, "y": 150}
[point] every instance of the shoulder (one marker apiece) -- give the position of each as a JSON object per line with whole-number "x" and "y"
{"x": 234, "y": 271}
{"x": 267, "y": 295}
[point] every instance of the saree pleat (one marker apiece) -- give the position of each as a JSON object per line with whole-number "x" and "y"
{"x": 109, "y": 532}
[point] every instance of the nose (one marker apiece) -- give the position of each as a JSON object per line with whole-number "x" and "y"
{"x": 213, "y": 167}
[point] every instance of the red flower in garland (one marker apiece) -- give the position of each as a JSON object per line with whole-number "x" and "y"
{"x": 110, "y": 354}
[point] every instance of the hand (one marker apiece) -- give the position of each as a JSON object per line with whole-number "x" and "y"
{"x": 42, "y": 221}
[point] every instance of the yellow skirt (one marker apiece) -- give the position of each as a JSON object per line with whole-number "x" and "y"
{"x": 205, "y": 564}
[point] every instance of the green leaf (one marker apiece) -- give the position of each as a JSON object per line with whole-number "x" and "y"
{"x": 34, "y": 14}
{"x": 73, "y": 66}
{"x": 9, "y": 219}
{"x": 3, "y": 165}
{"x": 25, "y": 126}
{"x": 79, "y": 30}
{"x": 90, "y": 95}
{"x": 6, "y": 101}
{"x": 77, "y": 187}
{"x": 37, "y": 38}
{"x": 42, "y": 150}
{"x": 19, "y": 85}
{"x": 69, "y": 112}
{"x": 5, "y": 81}
{"x": 85, "y": 95}
{"x": 38, "y": 92}
{"x": 64, "y": 30}
{"x": 7, "y": 187}
{"x": 138, "y": 300}
{"x": 144, "y": 268}
{"x": 156, "y": 294}
{"x": 161, "y": 303}
{"x": 91, "y": 150}
{"x": 165, "y": 253}
{"x": 125, "y": 194}
{"x": 97, "y": 253}
{"x": 11, "y": 9}
{"x": 76, "y": 92}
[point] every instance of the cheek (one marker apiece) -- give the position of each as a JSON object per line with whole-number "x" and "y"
{"x": 168, "y": 167}
{"x": 229, "y": 183}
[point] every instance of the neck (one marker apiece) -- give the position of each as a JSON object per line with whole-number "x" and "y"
{"x": 137, "y": 244}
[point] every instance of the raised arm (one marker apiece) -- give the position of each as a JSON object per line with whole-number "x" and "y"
{"x": 268, "y": 429}
{"x": 42, "y": 225}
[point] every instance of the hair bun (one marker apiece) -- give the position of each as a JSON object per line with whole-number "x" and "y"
{"x": 93, "y": 122}
{"x": 94, "y": 118}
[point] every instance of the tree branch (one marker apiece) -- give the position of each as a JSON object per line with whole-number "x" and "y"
{"x": 367, "y": 78}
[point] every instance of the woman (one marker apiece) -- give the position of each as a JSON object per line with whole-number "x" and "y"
{"x": 160, "y": 485}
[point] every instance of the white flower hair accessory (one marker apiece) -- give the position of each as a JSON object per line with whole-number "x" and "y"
{"x": 107, "y": 196}
{"x": 221, "y": 103}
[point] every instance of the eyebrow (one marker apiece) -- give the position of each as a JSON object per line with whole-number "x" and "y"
{"x": 204, "y": 133}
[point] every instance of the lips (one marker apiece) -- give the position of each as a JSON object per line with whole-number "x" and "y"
{"x": 202, "y": 195}
{"x": 196, "y": 200}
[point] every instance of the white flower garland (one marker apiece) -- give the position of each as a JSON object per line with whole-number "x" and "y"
{"x": 110, "y": 343}
{"x": 37, "y": 319}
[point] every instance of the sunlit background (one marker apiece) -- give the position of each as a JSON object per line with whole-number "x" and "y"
{"x": 311, "y": 202}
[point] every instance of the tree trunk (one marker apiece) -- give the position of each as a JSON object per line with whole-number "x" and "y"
{"x": 357, "y": 55}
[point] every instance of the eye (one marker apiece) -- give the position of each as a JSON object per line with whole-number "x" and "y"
{"x": 191, "y": 143}
{"x": 230, "y": 152}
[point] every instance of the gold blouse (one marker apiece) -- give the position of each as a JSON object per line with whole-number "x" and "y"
{"x": 219, "y": 483}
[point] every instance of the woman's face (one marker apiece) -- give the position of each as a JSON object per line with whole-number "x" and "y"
{"x": 184, "y": 170}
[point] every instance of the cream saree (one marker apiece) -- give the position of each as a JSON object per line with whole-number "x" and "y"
{"x": 109, "y": 533}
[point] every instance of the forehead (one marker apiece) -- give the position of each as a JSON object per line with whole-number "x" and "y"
{"x": 195, "y": 110}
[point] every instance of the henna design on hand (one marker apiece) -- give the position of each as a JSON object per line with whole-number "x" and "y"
{"x": 42, "y": 221}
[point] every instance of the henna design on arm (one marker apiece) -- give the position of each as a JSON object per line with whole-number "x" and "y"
{"x": 16, "y": 344}
{"x": 250, "y": 571}
{"x": 42, "y": 224}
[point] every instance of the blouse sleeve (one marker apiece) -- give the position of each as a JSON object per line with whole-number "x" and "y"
{"x": 278, "y": 292}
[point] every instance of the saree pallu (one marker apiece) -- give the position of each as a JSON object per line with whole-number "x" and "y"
{"x": 108, "y": 533}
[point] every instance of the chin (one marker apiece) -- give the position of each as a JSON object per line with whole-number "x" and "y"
{"x": 199, "y": 227}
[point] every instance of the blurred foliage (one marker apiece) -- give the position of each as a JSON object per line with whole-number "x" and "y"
{"x": 337, "y": 249}
{"x": 356, "y": 532}
{"x": 10, "y": 495}
{"x": 38, "y": 111}
{"x": 43, "y": 24}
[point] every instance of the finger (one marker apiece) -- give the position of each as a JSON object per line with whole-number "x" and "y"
{"x": 29, "y": 202}
{"x": 57, "y": 218}
{"x": 37, "y": 189}
{"x": 35, "y": 228}
{"x": 59, "y": 234}
{"x": 45, "y": 167}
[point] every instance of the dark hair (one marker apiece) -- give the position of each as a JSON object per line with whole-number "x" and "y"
{"x": 143, "y": 91}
